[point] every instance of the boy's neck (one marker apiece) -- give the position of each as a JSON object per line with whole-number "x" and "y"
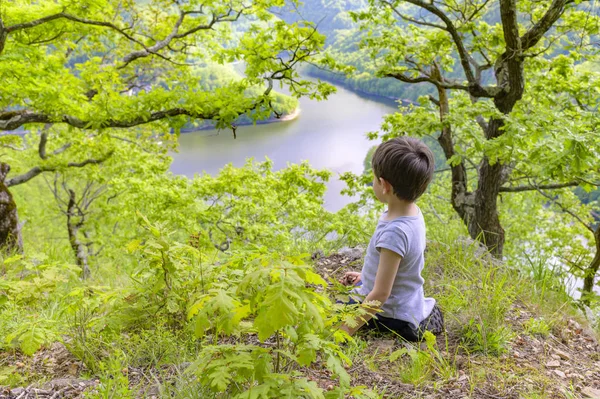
{"x": 398, "y": 208}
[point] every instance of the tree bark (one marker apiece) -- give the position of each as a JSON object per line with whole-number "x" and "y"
{"x": 10, "y": 232}
{"x": 479, "y": 209}
{"x": 592, "y": 270}
{"x": 79, "y": 249}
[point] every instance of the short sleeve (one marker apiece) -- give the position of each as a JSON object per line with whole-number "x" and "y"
{"x": 394, "y": 239}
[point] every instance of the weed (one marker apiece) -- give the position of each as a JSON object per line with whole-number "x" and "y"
{"x": 114, "y": 383}
{"x": 537, "y": 327}
{"x": 478, "y": 336}
{"x": 417, "y": 365}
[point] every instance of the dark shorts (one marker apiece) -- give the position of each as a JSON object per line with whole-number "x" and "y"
{"x": 433, "y": 323}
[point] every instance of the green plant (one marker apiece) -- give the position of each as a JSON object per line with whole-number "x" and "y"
{"x": 114, "y": 383}
{"x": 537, "y": 326}
{"x": 30, "y": 336}
{"x": 11, "y": 377}
{"x": 416, "y": 365}
{"x": 275, "y": 298}
{"x": 478, "y": 336}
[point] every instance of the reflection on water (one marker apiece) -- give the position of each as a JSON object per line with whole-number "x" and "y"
{"x": 329, "y": 134}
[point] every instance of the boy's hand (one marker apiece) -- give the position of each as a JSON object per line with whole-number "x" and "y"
{"x": 350, "y": 278}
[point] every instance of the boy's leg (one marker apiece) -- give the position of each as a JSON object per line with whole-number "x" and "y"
{"x": 433, "y": 323}
{"x": 399, "y": 327}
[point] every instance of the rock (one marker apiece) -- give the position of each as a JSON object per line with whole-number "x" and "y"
{"x": 562, "y": 355}
{"x": 560, "y": 373}
{"x": 553, "y": 364}
{"x": 351, "y": 253}
{"x": 17, "y": 392}
{"x": 555, "y": 357}
{"x": 73, "y": 369}
{"x": 384, "y": 345}
{"x": 576, "y": 376}
{"x": 154, "y": 390}
{"x": 590, "y": 392}
{"x": 61, "y": 383}
{"x": 317, "y": 255}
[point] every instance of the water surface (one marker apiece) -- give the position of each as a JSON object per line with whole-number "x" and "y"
{"x": 329, "y": 134}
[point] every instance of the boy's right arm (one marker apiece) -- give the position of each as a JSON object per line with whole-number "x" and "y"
{"x": 389, "y": 262}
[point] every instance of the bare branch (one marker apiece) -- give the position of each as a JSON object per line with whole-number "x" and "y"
{"x": 488, "y": 91}
{"x": 460, "y": 47}
{"x": 533, "y": 187}
{"x": 35, "y": 171}
{"x": 62, "y": 149}
{"x": 568, "y": 211}
{"x": 413, "y": 20}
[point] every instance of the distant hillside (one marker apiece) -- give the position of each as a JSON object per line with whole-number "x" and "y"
{"x": 333, "y": 20}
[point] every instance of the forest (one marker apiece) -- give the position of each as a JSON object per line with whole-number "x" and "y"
{"x": 121, "y": 279}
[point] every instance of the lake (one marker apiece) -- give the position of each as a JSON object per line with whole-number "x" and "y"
{"x": 329, "y": 134}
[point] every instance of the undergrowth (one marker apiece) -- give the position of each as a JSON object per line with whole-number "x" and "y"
{"x": 257, "y": 320}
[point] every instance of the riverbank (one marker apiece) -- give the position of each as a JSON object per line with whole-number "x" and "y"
{"x": 210, "y": 125}
{"x": 372, "y": 96}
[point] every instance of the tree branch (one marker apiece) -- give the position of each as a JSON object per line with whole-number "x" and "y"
{"x": 487, "y": 91}
{"x": 43, "y": 141}
{"x": 568, "y": 211}
{"x": 36, "y": 117}
{"x": 537, "y": 31}
{"x": 519, "y": 189}
{"x": 33, "y": 172}
{"x": 509, "y": 67}
{"x": 415, "y": 21}
{"x": 445, "y": 139}
{"x": 156, "y": 47}
{"x": 462, "y": 51}
{"x": 63, "y": 15}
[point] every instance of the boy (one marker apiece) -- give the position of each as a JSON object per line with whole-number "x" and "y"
{"x": 391, "y": 275}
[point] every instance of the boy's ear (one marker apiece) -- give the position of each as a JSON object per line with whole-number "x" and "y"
{"x": 387, "y": 187}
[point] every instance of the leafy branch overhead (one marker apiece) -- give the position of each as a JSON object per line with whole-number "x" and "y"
{"x": 74, "y": 72}
{"x": 121, "y": 64}
{"x": 506, "y": 79}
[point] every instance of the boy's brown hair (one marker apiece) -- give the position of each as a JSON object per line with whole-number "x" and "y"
{"x": 407, "y": 164}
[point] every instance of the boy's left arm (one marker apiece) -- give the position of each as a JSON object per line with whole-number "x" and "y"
{"x": 389, "y": 261}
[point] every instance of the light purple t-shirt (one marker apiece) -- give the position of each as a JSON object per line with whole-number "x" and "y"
{"x": 406, "y": 237}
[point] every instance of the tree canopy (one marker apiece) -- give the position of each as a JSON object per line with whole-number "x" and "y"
{"x": 515, "y": 106}
{"x": 85, "y": 77}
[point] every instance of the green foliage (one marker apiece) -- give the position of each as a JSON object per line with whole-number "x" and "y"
{"x": 416, "y": 365}
{"x": 480, "y": 337}
{"x": 106, "y": 59}
{"x": 113, "y": 381}
{"x": 538, "y": 327}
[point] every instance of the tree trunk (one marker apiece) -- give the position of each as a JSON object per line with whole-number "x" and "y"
{"x": 592, "y": 270}
{"x": 478, "y": 209}
{"x": 10, "y": 233}
{"x": 484, "y": 223}
{"x": 79, "y": 249}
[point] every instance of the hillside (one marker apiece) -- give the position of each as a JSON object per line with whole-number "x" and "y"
{"x": 168, "y": 315}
